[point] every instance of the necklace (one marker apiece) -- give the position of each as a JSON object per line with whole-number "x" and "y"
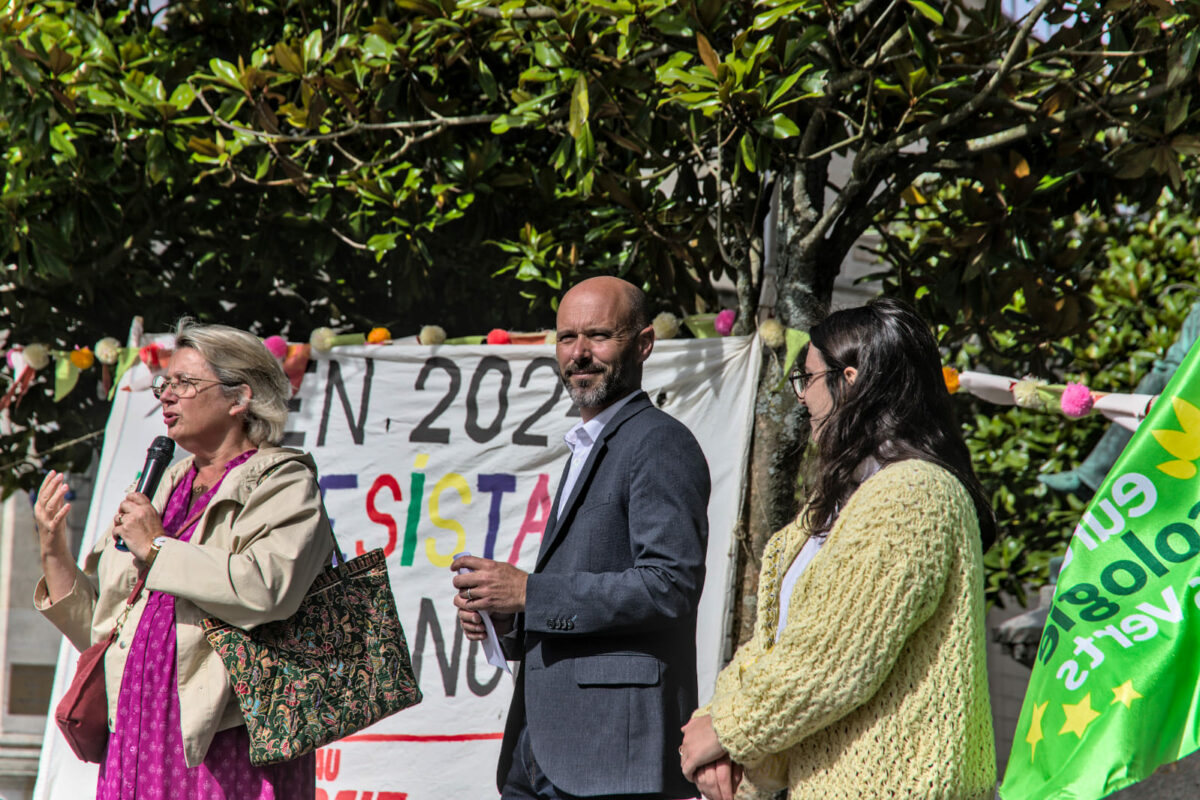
{"x": 198, "y": 489}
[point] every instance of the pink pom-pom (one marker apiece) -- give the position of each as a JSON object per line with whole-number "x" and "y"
{"x": 498, "y": 336}
{"x": 1076, "y": 400}
{"x": 276, "y": 346}
{"x": 724, "y": 321}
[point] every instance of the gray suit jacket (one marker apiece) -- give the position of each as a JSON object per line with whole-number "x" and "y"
{"x": 608, "y": 636}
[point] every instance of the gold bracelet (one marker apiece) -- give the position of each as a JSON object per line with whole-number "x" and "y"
{"x": 155, "y": 546}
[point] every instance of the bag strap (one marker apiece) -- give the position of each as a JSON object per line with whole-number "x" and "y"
{"x": 339, "y": 558}
{"x": 141, "y": 584}
{"x": 133, "y": 597}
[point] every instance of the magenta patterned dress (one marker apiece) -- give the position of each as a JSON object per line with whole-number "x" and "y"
{"x": 145, "y": 759}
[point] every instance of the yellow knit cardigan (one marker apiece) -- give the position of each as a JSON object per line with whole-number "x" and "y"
{"x": 877, "y": 687}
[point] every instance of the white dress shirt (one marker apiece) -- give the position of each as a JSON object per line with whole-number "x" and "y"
{"x": 581, "y": 438}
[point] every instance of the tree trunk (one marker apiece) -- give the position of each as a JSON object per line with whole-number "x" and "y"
{"x": 805, "y": 287}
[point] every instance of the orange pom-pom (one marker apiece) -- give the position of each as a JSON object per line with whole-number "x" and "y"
{"x": 379, "y": 336}
{"x": 950, "y": 376}
{"x": 498, "y": 336}
{"x": 82, "y": 358}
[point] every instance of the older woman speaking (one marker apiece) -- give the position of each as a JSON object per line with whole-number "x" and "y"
{"x": 237, "y": 531}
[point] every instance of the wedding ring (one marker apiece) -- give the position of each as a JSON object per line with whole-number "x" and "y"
{"x": 469, "y": 593}
{"x": 119, "y": 518}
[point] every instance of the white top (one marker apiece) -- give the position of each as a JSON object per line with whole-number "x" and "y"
{"x": 793, "y": 574}
{"x": 865, "y": 470}
{"x": 581, "y": 438}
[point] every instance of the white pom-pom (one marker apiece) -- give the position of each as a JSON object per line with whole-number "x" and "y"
{"x": 432, "y": 334}
{"x": 322, "y": 340}
{"x": 666, "y": 326}
{"x": 107, "y": 350}
{"x": 36, "y": 356}
{"x": 773, "y": 333}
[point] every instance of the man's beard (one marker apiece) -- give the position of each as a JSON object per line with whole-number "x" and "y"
{"x": 610, "y": 387}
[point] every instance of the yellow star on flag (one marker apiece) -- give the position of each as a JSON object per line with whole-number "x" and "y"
{"x": 1079, "y": 716}
{"x": 1125, "y": 694}
{"x": 1035, "y": 729}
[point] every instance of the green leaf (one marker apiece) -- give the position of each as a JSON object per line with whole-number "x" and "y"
{"x": 225, "y": 72}
{"x": 579, "y": 107}
{"x": 1177, "y": 112}
{"x": 288, "y": 61}
{"x": 312, "y": 50}
{"x": 487, "y": 81}
{"x": 154, "y": 88}
{"x": 777, "y": 126}
{"x": 786, "y": 84}
{"x": 60, "y": 142}
{"x": 927, "y": 11}
{"x": 183, "y": 96}
{"x": 746, "y": 148}
{"x": 503, "y": 123}
{"x": 795, "y": 339}
{"x": 768, "y": 18}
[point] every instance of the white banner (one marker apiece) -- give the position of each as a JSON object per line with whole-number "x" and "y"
{"x": 425, "y": 452}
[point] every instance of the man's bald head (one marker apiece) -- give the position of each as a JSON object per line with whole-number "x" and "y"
{"x": 604, "y": 336}
{"x": 629, "y": 299}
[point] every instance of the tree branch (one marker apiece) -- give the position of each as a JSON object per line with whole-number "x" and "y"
{"x": 437, "y": 121}
{"x": 1018, "y": 132}
{"x": 529, "y": 12}
{"x": 930, "y": 129}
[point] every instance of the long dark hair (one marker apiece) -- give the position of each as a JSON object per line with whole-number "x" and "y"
{"x": 898, "y": 407}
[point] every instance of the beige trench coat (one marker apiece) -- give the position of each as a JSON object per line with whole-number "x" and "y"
{"x": 260, "y": 543}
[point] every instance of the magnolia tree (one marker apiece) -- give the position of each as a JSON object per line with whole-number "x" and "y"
{"x": 272, "y": 164}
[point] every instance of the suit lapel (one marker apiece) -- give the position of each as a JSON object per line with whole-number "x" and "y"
{"x": 555, "y": 528}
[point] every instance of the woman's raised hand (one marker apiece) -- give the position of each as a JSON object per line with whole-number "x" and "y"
{"x": 50, "y": 513}
{"x": 50, "y": 517}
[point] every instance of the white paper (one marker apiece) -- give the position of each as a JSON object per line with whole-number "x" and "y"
{"x": 491, "y": 645}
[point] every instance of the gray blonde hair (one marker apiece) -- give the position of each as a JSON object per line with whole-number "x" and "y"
{"x": 237, "y": 357}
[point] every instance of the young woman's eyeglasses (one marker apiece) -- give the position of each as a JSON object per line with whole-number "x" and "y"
{"x": 182, "y": 387}
{"x": 800, "y": 379}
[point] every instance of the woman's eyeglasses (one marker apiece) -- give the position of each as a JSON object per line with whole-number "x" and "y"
{"x": 801, "y": 380}
{"x": 182, "y": 387}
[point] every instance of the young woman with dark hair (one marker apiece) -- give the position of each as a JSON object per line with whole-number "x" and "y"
{"x": 866, "y": 676}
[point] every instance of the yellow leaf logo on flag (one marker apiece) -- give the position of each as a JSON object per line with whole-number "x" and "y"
{"x": 1185, "y": 444}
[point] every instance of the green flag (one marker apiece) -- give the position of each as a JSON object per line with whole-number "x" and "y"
{"x": 1115, "y": 690}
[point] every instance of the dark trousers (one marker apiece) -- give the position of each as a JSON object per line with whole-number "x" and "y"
{"x": 526, "y": 781}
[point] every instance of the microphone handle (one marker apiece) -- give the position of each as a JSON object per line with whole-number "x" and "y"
{"x": 152, "y": 473}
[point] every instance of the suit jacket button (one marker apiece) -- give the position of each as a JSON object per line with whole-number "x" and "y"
{"x": 550, "y": 624}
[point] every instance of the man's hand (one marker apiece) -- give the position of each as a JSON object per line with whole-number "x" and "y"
{"x": 492, "y": 586}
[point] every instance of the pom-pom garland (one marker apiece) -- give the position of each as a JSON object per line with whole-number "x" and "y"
{"x": 950, "y": 377}
{"x": 1025, "y": 393}
{"x": 277, "y": 346}
{"x": 83, "y": 358}
{"x": 666, "y": 326}
{"x": 724, "y": 321}
{"x": 498, "y": 336}
{"x": 1076, "y": 400}
{"x": 108, "y": 350}
{"x": 431, "y": 335}
{"x": 773, "y": 334}
{"x": 322, "y": 340}
{"x": 379, "y": 336}
{"x": 36, "y": 356}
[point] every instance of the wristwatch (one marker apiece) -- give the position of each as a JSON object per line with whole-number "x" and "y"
{"x": 155, "y": 546}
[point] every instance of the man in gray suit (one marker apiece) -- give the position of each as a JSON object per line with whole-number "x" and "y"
{"x": 605, "y": 625}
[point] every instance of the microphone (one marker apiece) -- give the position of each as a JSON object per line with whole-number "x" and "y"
{"x": 158, "y": 458}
